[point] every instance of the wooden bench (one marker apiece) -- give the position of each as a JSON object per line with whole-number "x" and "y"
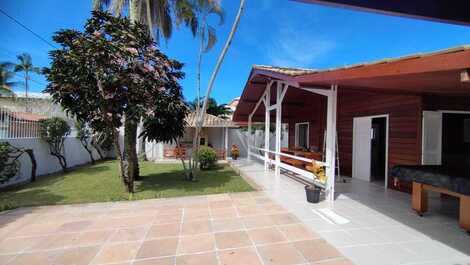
{"x": 419, "y": 202}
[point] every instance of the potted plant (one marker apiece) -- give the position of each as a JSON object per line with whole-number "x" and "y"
{"x": 235, "y": 152}
{"x": 312, "y": 191}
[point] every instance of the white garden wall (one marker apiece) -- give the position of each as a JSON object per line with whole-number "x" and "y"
{"x": 46, "y": 164}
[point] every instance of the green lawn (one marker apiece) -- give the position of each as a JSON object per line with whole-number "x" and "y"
{"x": 101, "y": 182}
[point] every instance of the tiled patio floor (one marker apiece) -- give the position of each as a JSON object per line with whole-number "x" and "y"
{"x": 382, "y": 228}
{"x": 239, "y": 228}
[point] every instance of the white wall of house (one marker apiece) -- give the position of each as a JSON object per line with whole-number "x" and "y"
{"x": 47, "y": 164}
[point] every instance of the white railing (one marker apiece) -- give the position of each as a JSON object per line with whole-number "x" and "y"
{"x": 305, "y": 174}
{"x": 15, "y": 125}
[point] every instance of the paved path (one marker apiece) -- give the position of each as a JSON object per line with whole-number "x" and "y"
{"x": 238, "y": 228}
{"x": 381, "y": 229}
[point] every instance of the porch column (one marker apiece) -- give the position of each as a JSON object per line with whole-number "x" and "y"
{"x": 331, "y": 143}
{"x": 249, "y": 139}
{"x": 278, "y": 126}
{"x": 267, "y": 121}
{"x": 226, "y": 142}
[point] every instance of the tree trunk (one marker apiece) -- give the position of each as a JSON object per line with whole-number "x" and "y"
{"x": 98, "y": 150}
{"x": 33, "y": 164}
{"x": 200, "y": 117}
{"x": 130, "y": 142}
{"x": 117, "y": 150}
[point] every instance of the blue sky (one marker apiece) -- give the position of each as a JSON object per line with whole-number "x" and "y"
{"x": 272, "y": 32}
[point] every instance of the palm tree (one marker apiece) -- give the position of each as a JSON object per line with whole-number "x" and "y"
{"x": 6, "y": 74}
{"x": 157, "y": 14}
{"x": 26, "y": 65}
{"x": 206, "y": 34}
{"x": 210, "y": 85}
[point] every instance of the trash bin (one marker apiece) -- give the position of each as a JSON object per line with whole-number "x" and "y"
{"x": 313, "y": 194}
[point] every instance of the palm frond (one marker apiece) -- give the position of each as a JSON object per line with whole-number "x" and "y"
{"x": 211, "y": 38}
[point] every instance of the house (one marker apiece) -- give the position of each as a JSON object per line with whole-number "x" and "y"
{"x": 19, "y": 124}
{"x": 215, "y": 133}
{"x": 416, "y": 110}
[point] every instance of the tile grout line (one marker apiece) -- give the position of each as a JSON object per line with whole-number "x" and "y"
{"x": 251, "y": 240}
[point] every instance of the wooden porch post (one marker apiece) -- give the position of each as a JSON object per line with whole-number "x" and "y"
{"x": 267, "y": 123}
{"x": 249, "y": 139}
{"x": 279, "y": 97}
{"x": 331, "y": 143}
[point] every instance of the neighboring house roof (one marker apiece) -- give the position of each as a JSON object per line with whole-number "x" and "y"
{"x": 209, "y": 121}
{"x": 26, "y": 116}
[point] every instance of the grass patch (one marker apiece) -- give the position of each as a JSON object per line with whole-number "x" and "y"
{"x": 101, "y": 183}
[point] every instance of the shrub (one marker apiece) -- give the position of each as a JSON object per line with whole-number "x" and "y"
{"x": 53, "y": 131}
{"x": 207, "y": 157}
{"x": 9, "y": 165}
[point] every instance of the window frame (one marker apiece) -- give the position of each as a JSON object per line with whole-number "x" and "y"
{"x": 297, "y": 125}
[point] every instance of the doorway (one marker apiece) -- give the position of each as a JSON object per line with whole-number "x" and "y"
{"x": 370, "y": 148}
{"x": 378, "y": 146}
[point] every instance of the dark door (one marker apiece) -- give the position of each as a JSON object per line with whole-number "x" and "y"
{"x": 378, "y": 149}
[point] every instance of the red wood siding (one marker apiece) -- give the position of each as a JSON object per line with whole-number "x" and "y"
{"x": 446, "y": 103}
{"x": 313, "y": 112}
{"x": 404, "y": 124}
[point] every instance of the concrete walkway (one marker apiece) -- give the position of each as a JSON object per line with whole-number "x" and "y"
{"x": 371, "y": 225}
{"x": 230, "y": 229}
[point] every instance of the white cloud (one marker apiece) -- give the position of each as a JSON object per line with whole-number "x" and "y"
{"x": 298, "y": 47}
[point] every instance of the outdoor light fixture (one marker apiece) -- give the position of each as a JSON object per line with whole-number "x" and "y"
{"x": 465, "y": 75}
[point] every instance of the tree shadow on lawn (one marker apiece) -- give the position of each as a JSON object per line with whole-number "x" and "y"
{"x": 171, "y": 183}
{"x": 42, "y": 191}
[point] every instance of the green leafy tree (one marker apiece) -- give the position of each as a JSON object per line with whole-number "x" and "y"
{"x": 25, "y": 65}
{"x": 159, "y": 16}
{"x": 54, "y": 131}
{"x": 6, "y": 76}
{"x": 213, "y": 108}
{"x": 84, "y": 135}
{"x": 113, "y": 72}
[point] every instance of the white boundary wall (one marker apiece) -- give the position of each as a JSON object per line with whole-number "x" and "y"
{"x": 46, "y": 164}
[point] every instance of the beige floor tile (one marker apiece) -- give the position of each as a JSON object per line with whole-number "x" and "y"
{"x": 37, "y": 258}
{"x": 157, "y": 261}
{"x": 223, "y": 213}
{"x": 76, "y": 256}
{"x": 239, "y": 256}
{"x": 196, "y": 214}
{"x": 280, "y": 254}
{"x": 129, "y": 234}
{"x": 298, "y": 232}
{"x": 266, "y": 235}
{"x": 5, "y": 259}
{"x": 232, "y": 239}
{"x": 197, "y": 243}
{"x": 74, "y": 226}
{"x": 196, "y": 227}
{"x": 119, "y": 252}
{"x": 317, "y": 250}
{"x": 220, "y": 204}
{"x": 232, "y": 224}
{"x": 284, "y": 219}
{"x": 197, "y": 259}
{"x": 258, "y": 221}
{"x": 93, "y": 237}
{"x": 18, "y": 244}
{"x": 57, "y": 241}
{"x": 158, "y": 248}
{"x": 168, "y": 219}
{"x": 165, "y": 230}
{"x": 249, "y": 211}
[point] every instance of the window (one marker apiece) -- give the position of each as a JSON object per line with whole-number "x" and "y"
{"x": 301, "y": 135}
